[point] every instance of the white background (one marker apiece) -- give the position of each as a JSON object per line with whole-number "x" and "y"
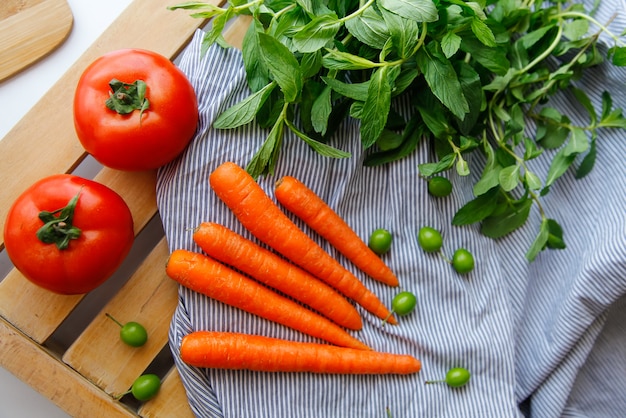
{"x": 17, "y": 95}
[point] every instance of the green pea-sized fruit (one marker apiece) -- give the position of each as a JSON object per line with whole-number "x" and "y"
{"x": 429, "y": 239}
{"x": 403, "y": 303}
{"x": 463, "y": 261}
{"x": 132, "y": 333}
{"x": 439, "y": 186}
{"x": 145, "y": 387}
{"x": 455, "y": 377}
{"x": 380, "y": 241}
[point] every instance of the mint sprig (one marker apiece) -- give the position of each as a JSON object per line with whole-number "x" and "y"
{"x": 480, "y": 76}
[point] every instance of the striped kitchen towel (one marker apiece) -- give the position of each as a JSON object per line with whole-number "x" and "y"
{"x": 543, "y": 339}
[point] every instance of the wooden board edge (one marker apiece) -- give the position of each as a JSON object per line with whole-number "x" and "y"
{"x": 35, "y": 366}
{"x": 19, "y": 50}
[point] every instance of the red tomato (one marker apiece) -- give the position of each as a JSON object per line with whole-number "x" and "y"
{"x": 158, "y": 105}
{"x": 92, "y": 253}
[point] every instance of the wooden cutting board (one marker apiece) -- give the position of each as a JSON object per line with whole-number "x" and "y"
{"x": 29, "y": 30}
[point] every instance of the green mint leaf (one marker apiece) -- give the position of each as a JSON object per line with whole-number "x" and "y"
{"x": 418, "y": 10}
{"x": 310, "y": 91}
{"x": 551, "y": 131}
{"x": 529, "y": 40}
{"x": 588, "y": 162}
{"x": 475, "y": 96}
{"x": 410, "y": 138}
{"x": 618, "y": 56}
{"x": 490, "y": 175}
{"x": 311, "y": 64}
{"x": 477, "y": 209}
{"x": 370, "y": 28}
{"x": 483, "y": 32}
{"x": 339, "y": 60}
{"x": 194, "y": 5}
{"x": 489, "y": 179}
{"x": 444, "y": 163}
{"x": 404, "y": 80}
{"x": 500, "y": 82}
{"x": 462, "y": 167}
{"x": 450, "y": 44}
{"x": 288, "y": 25}
{"x": 307, "y": 5}
{"x": 244, "y": 111}
{"x": 356, "y": 110}
{"x": 257, "y": 74}
{"x": 404, "y": 33}
{"x": 578, "y": 142}
{"x": 531, "y": 150}
{"x": 388, "y": 140}
{"x": 316, "y": 34}
{"x": 540, "y": 241}
{"x": 283, "y": 66}
{"x": 319, "y": 147}
{"x": 493, "y": 59}
{"x": 533, "y": 182}
{"x": 555, "y": 238}
{"x": 376, "y": 107}
{"x": 575, "y": 29}
{"x": 217, "y": 27}
{"x": 355, "y": 91}
{"x": 508, "y": 219}
{"x": 509, "y": 177}
{"x": 584, "y": 100}
{"x": 558, "y": 167}
{"x": 477, "y": 7}
{"x": 320, "y": 111}
{"x": 433, "y": 115}
{"x": 607, "y": 105}
{"x": 614, "y": 120}
{"x": 442, "y": 79}
{"x": 263, "y": 162}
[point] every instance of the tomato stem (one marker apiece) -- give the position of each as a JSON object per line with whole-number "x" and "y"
{"x": 59, "y": 229}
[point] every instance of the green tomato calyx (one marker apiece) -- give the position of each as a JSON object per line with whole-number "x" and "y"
{"x": 126, "y": 98}
{"x": 57, "y": 228}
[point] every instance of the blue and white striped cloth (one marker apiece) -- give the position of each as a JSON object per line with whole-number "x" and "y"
{"x": 543, "y": 339}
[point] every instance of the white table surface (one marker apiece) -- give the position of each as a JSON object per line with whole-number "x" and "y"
{"x": 91, "y": 18}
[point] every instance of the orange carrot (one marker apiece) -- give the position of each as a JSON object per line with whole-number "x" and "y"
{"x": 306, "y": 205}
{"x": 265, "y": 220}
{"x": 211, "y": 278}
{"x": 223, "y": 350}
{"x": 269, "y": 268}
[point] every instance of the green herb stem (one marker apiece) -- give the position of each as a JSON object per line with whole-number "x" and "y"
{"x": 421, "y": 39}
{"x": 247, "y": 6}
{"x": 545, "y": 54}
{"x": 357, "y": 12}
{"x": 284, "y": 10}
{"x": 603, "y": 27}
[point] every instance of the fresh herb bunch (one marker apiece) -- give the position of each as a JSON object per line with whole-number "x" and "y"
{"x": 479, "y": 74}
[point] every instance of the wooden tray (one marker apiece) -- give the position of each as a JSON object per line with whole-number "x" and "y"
{"x": 84, "y": 376}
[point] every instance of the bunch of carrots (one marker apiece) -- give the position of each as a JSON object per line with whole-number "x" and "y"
{"x": 243, "y": 274}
